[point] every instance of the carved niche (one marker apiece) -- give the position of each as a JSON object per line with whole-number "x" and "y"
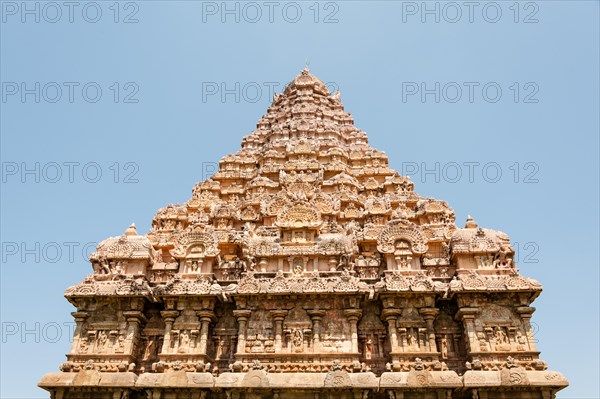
{"x": 259, "y": 333}
{"x": 336, "y": 333}
{"x": 371, "y": 333}
{"x": 224, "y": 334}
{"x": 184, "y": 335}
{"x": 297, "y": 328}
{"x": 105, "y": 333}
{"x": 193, "y": 248}
{"x": 403, "y": 243}
{"x": 448, "y": 336}
{"x": 412, "y": 331}
{"x": 367, "y": 265}
{"x": 499, "y": 329}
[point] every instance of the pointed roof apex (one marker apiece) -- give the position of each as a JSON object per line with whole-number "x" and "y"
{"x": 304, "y": 80}
{"x": 131, "y": 230}
{"x": 471, "y": 224}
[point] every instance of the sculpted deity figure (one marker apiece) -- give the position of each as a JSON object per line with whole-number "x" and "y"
{"x": 411, "y": 340}
{"x": 369, "y": 349}
{"x": 83, "y": 345}
{"x": 118, "y": 267}
{"x": 298, "y": 266}
{"x": 521, "y": 341}
{"x": 120, "y": 344}
{"x": 148, "y": 350}
{"x": 249, "y": 228}
{"x": 500, "y": 335}
{"x": 511, "y": 362}
{"x": 104, "y": 265}
{"x": 343, "y": 263}
{"x": 299, "y": 236}
{"x": 251, "y": 263}
{"x": 445, "y": 249}
{"x": 361, "y": 273}
{"x": 225, "y": 272}
{"x": 352, "y": 227}
{"x": 375, "y": 260}
{"x": 485, "y": 261}
{"x": 184, "y": 342}
{"x": 360, "y": 261}
{"x": 298, "y": 196}
{"x": 351, "y": 265}
{"x": 419, "y": 364}
{"x": 444, "y": 347}
{"x": 402, "y": 263}
{"x": 236, "y": 263}
{"x": 298, "y": 340}
{"x": 502, "y": 259}
{"x": 102, "y": 340}
{"x": 482, "y": 342}
{"x": 374, "y": 273}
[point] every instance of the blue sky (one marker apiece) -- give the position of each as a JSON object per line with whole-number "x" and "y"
{"x": 110, "y": 112}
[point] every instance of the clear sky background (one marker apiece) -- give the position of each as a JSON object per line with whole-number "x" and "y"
{"x": 541, "y": 134}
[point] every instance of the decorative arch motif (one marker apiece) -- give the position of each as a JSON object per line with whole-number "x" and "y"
{"x": 195, "y": 243}
{"x": 401, "y": 230}
{"x": 299, "y": 215}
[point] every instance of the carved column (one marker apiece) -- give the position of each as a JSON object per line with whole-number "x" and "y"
{"x": 242, "y": 318}
{"x": 467, "y": 316}
{"x": 429, "y": 315}
{"x": 79, "y": 321}
{"x": 316, "y": 315}
{"x": 353, "y": 315}
{"x": 278, "y": 316}
{"x": 134, "y": 318}
{"x": 390, "y": 316}
{"x": 526, "y": 312}
{"x": 169, "y": 317}
{"x": 206, "y": 317}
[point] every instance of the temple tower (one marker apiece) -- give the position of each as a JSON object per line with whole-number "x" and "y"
{"x": 305, "y": 267}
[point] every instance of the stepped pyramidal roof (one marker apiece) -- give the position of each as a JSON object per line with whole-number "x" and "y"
{"x": 305, "y": 266}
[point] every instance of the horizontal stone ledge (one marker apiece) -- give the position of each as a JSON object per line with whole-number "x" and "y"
{"x": 175, "y": 379}
{"x": 514, "y": 377}
{"x": 89, "y": 378}
{"x": 260, "y": 379}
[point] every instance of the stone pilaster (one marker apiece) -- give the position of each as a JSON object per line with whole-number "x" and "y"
{"x": 134, "y": 318}
{"x": 353, "y": 315}
{"x": 526, "y": 312}
{"x": 316, "y": 315}
{"x": 206, "y": 317}
{"x": 429, "y": 315}
{"x": 278, "y": 316}
{"x": 390, "y": 316}
{"x": 467, "y": 316}
{"x": 80, "y": 318}
{"x": 242, "y": 317}
{"x": 169, "y": 317}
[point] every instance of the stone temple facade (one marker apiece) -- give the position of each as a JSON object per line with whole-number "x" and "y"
{"x": 305, "y": 268}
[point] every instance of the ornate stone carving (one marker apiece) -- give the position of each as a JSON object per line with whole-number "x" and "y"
{"x": 399, "y": 231}
{"x": 304, "y": 266}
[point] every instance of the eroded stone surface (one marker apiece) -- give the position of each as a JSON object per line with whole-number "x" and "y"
{"x": 304, "y": 266}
